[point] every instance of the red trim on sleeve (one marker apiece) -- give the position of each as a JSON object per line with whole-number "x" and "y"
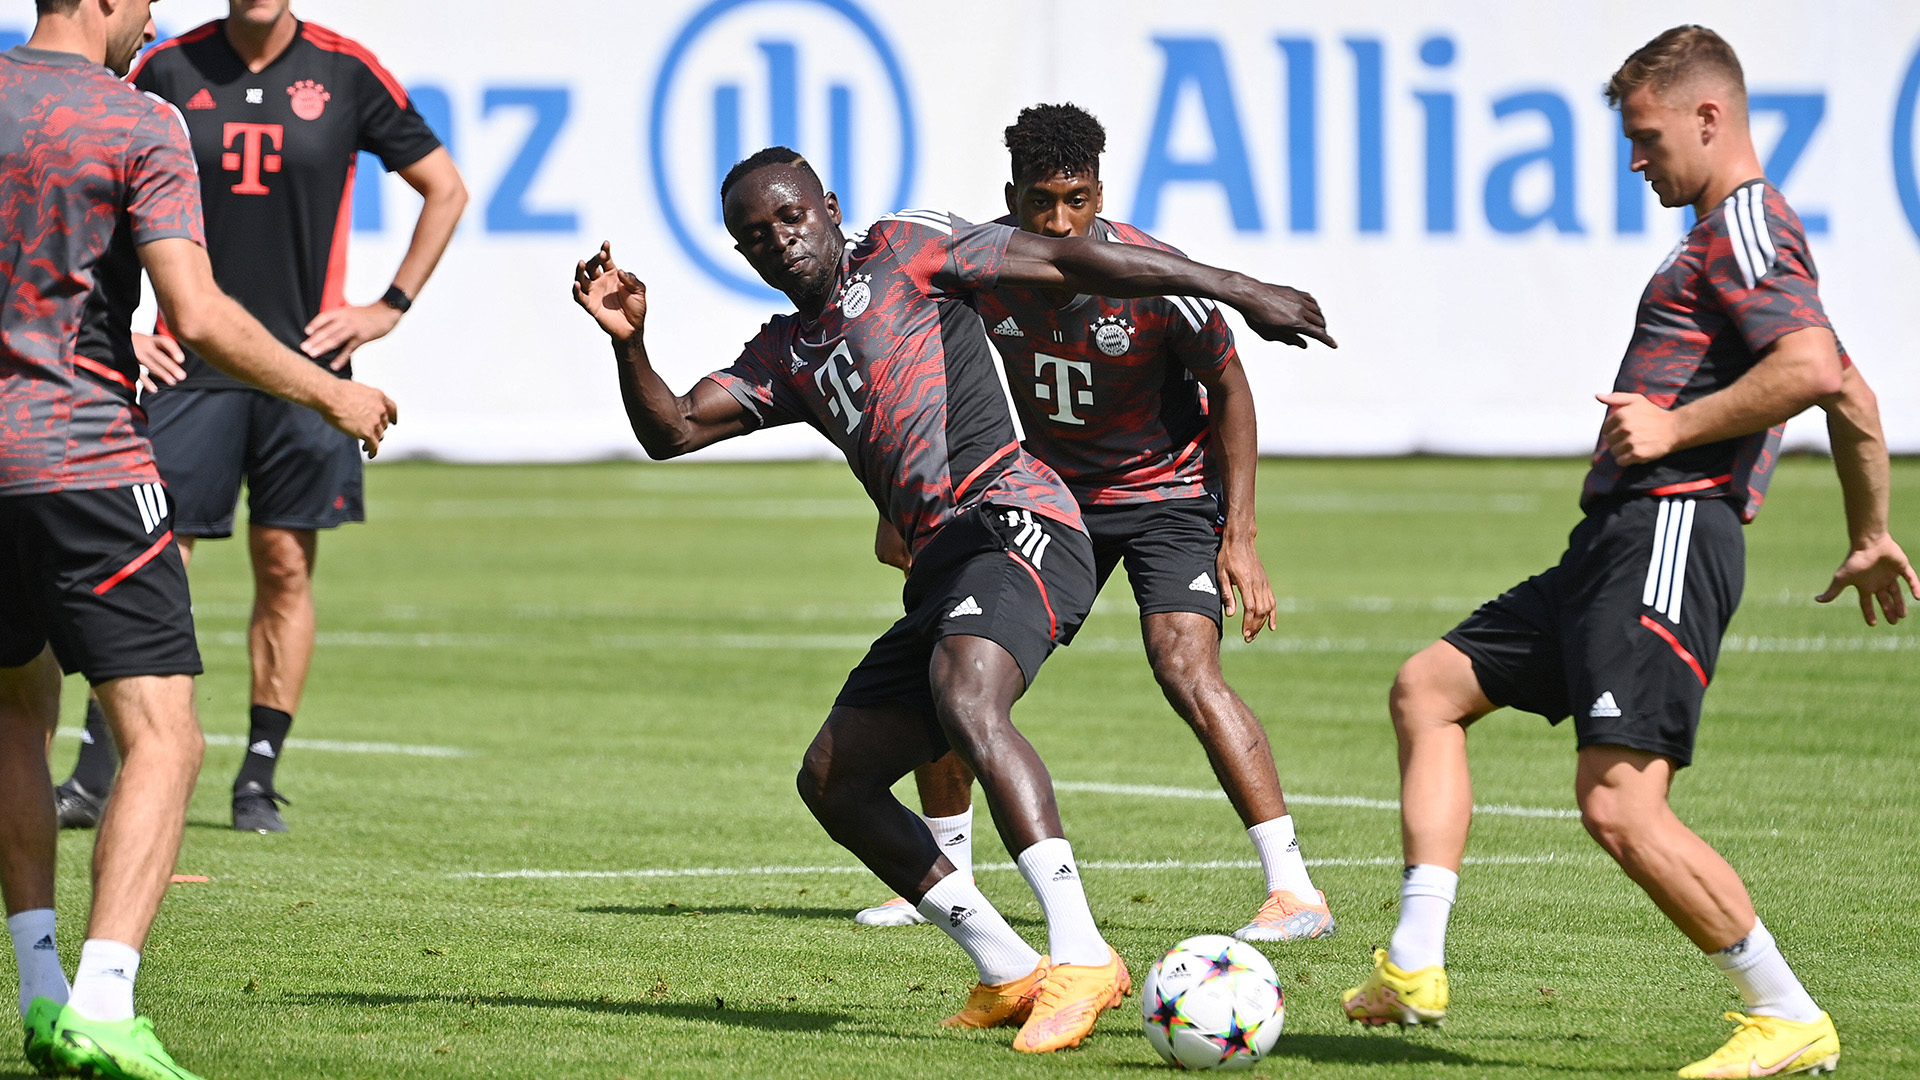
{"x": 101, "y": 370}
{"x": 323, "y": 38}
{"x": 141, "y": 560}
{"x": 1691, "y": 485}
{"x": 198, "y": 33}
{"x": 983, "y": 466}
{"x": 1053, "y": 625}
{"x": 1678, "y": 649}
{"x": 333, "y": 294}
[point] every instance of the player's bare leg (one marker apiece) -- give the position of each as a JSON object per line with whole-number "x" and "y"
{"x": 29, "y": 710}
{"x": 161, "y": 747}
{"x": 280, "y": 642}
{"x": 1435, "y": 696}
{"x": 946, "y": 806}
{"x": 945, "y": 786}
{"x": 1623, "y": 804}
{"x": 1183, "y": 648}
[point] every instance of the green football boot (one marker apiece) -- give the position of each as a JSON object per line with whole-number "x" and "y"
{"x": 120, "y": 1050}
{"x": 41, "y": 1013}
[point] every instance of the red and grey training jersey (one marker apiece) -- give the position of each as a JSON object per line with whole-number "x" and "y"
{"x": 277, "y": 150}
{"x": 897, "y": 373}
{"x": 1107, "y": 389}
{"x": 90, "y": 169}
{"x": 1740, "y": 281}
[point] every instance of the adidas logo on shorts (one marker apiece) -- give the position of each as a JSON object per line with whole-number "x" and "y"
{"x": 969, "y": 606}
{"x": 1009, "y": 328}
{"x": 1604, "y": 706}
{"x": 1204, "y": 584}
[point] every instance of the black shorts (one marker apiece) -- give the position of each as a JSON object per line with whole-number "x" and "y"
{"x": 1020, "y": 580}
{"x": 1171, "y": 549}
{"x": 1624, "y": 633}
{"x": 301, "y": 472}
{"x": 98, "y": 574}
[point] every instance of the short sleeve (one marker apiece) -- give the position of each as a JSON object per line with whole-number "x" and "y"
{"x": 1760, "y": 271}
{"x": 390, "y": 127}
{"x": 163, "y": 183}
{"x": 758, "y": 380}
{"x": 1198, "y": 335}
{"x": 946, "y": 255}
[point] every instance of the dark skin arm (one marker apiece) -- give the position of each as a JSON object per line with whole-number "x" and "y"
{"x": 1236, "y": 438}
{"x": 667, "y": 424}
{"x": 1126, "y": 271}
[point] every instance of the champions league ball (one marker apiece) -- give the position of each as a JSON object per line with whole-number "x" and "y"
{"x": 1212, "y": 1003}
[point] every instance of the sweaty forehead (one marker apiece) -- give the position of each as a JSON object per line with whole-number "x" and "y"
{"x": 763, "y": 191}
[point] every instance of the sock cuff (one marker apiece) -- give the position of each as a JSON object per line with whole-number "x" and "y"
{"x": 1278, "y": 830}
{"x": 267, "y": 713}
{"x": 1046, "y": 857}
{"x": 107, "y": 953}
{"x": 31, "y": 921}
{"x": 1746, "y": 952}
{"x": 962, "y": 820}
{"x": 1425, "y": 879}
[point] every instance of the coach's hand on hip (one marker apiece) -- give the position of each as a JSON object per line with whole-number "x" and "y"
{"x": 1636, "y": 430}
{"x": 161, "y": 358}
{"x": 615, "y": 298}
{"x": 346, "y": 329}
{"x": 361, "y": 411}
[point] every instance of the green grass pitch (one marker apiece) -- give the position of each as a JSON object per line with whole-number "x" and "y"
{"x": 629, "y": 659}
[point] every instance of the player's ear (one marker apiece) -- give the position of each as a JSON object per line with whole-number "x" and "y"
{"x": 1099, "y": 196}
{"x": 833, "y": 208}
{"x": 1011, "y": 196}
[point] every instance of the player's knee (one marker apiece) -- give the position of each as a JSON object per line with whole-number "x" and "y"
{"x": 1421, "y": 696}
{"x": 1611, "y": 820}
{"x": 1189, "y": 677}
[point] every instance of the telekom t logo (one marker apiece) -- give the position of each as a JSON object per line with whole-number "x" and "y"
{"x": 250, "y": 160}
{"x": 843, "y": 387}
{"x": 1058, "y": 387}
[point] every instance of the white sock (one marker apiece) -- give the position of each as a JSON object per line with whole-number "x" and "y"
{"x": 1765, "y": 982}
{"x": 33, "y": 947}
{"x": 103, "y": 983}
{"x": 955, "y": 837}
{"x": 955, "y": 904}
{"x": 1280, "y": 858}
{"x": 1054, "y": 878}
{"x": 1426, "y": 899}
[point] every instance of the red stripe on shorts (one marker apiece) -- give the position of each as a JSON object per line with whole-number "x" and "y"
{"x": 1691, "y": 485}
{"x": 1679, "y": 649}
{"x": 141, "y": 560}
{"x": 1053, "y": 625}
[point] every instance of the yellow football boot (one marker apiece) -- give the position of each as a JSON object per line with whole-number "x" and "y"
{"x": 991, "y": 1005}
{"x": 1770, "y": 1046}
{"x": 1392, "y": 996}
{"x": 1071, "y": 1000}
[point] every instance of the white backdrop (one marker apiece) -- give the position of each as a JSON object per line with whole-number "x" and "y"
{"x": 1443, "y": 176}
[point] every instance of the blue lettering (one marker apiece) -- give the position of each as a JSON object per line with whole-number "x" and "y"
{"x": 1802, "y": 113}
{"x": 1438, "y": 52}
{"x": 1303, "y": 212}
{"x": 726, "y": 137}
{"x": 840, "y": 141}
{"x": 369, "y": 203}
{"x": 783, "y": 91}
{"x": 9, "y": 37}
{"x": 1197, "y": 62}
{"x": 1629, "y": 192}
{"x": 1557, "y": 155}
{"x": 1369, "y": 77}
{"x": 507, "y": 211}
{"x": 1904, "y": 180}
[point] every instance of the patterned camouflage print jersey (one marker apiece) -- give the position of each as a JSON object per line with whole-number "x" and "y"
{"x": 897, "y": 373}
{"x": 1105, "y": 388}
{"x": 1740, "y": 281}
{"x": 90, "y": 169}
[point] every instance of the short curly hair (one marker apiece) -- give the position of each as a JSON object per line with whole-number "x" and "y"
{"x": 772, "y": 155}
{"x": 1672, "y": 58}
{"x": 1050, "y": 139}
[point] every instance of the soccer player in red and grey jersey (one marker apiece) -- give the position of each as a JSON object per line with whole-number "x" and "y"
{"x": 884, "y": 359}
{"x": 96, "y": 181}
{"x": 1109, "y": 393}
{"x": 278, "y": 110}
{"x": 1730, "y": 341}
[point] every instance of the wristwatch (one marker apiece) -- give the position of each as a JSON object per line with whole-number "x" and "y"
{"x": 397, "y": 300}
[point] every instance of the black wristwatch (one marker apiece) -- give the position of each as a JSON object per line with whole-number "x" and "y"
{"x": 396, "y": 299}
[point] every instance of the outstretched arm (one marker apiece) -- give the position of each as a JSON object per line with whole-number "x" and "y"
{"x": 1236, "y": 441}
{"x": 1874, "y": 565}
{"x": 1793, "y": 375}
{"x": 1125, "y": 271}
{"x": 667, "y": 424}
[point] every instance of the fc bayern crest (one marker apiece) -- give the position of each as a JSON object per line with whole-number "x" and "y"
{"x": 1114, "y": 335}
{"x": 309, "y": 99}
{"x": 855, "y": 296}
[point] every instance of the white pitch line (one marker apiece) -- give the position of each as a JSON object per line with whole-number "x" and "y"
{"x": 330, "y": 746}
{"x": 1155, "y": 792}
{"x": 1098, "y": 864}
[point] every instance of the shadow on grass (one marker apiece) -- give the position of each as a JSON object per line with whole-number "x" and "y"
{"x": 831, "y": 914}
{"x": 746, "y": 1016}
{"x": 1361, "y": 1048}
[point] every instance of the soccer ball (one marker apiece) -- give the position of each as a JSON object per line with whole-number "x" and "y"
{"x": 1212, "y": 1003}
